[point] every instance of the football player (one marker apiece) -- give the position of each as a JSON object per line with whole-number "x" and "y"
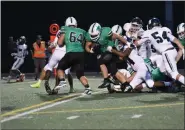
{"x": 74, "y": 39}
{"x": 181, "y": 33}
{"x": 20, "y": 55}
{"x": 104, "y": 37}
{"x": 57, "y": 55}
{"x": 161, "y": 41}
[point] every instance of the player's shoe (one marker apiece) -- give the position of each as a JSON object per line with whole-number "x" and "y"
{"x": 47, "y": 87}
{"x": 71, "y": 90}
{"x": 8, "y": 79}
{"x": 61, "y": 85}
{"x": 54, "y": 92}
{"x": 22, "y": 77}
{"x": 106, "y": 83}
{"x": 87, "y": 91}
{"x": 36, "y": 85}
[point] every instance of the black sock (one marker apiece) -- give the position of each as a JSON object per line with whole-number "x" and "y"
{"x": 70, "y": 79}
{"x": 62, "y": 79}
{"x": 124, "y": 84}
{"x": 86, "y": 86}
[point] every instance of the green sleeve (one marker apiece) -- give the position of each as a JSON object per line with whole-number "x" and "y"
{"x": 111, "y": 43}
{"x": 182, "y": 42}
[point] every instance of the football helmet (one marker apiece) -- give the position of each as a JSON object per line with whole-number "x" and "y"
{"x": 117, "y": 29}
{"x": 95, "y": 31}
{"x": 181, "y": 31}
{"x": 71, "y": 21}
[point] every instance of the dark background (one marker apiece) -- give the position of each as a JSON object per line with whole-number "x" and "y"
{"x": 32, "y": 18}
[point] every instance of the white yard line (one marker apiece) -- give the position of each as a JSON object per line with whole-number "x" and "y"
{"x": 43, "y": 108}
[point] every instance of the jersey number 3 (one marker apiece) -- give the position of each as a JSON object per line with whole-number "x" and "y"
{"x": 159, "y": 39}
{"x": 75, "y": 38}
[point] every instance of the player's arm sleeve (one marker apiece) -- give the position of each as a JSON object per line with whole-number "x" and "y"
{"x": 87, "y": 37}
{"x": 171, "y": 37}
{"x": 141, "y": 41}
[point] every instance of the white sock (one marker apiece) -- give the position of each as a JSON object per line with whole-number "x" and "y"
{"x": 39, "y": 81}
{"x": 181, "y": 79}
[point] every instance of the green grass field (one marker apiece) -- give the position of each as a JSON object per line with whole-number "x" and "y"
{"x": 23, "y": 107}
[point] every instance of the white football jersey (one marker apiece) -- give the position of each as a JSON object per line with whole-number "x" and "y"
{"x": 55, "y": 42}
{"x": 159, "y": 38}
{"x": 22, "y": 51}
{"x": 134, "y": 60}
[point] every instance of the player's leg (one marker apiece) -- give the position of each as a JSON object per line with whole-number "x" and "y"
{"x": 63, "y": 64}
{"x": 171, "y": 66}
{"x": 104, "y": 60}
{"x": 36, "y": 63}
{"x": 79, "y": 68}
{"x": 14, "y": 68}
{"x": 70, "y": 79}
{"x": 20, "y": 76}
{"x": 158, "y": 61}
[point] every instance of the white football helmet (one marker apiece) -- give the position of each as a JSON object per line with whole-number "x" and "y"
{"x": 71, "y": 21}
{"x": 181, "y": 31}
{"x": 167, "y": 30}
{"x": 126, "y": 26}
{"x": 117, "y": 29}
{"x": 94, "y": 31}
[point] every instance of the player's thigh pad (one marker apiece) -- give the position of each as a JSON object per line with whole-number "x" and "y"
{"x": 105, "y": 58}
{"x": 64, "y": 62}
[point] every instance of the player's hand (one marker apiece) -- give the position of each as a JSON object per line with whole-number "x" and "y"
{"x": 109, "y": 48}
{"x": 91, "y": 51}
{"x": 13, "y": 54}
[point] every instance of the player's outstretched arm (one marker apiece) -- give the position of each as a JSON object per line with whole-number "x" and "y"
{"x": 116, "y": 36}
{"x": 119, "y": 53}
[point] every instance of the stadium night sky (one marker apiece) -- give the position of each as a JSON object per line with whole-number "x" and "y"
{"x": 32, "y": 18}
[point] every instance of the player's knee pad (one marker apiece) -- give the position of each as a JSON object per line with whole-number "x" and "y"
{"x": 105, "y": 59}
{"x": 174, "y": 74}
{"x": 150, "y": 83}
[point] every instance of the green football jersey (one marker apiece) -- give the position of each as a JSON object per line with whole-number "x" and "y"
{"x": 182, "y": 41}
{"x": 155, "y": 71}
{"x": 105, "y": 39}
{"x": 74, "y": 38}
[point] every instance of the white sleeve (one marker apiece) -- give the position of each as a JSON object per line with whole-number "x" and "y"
{"x": 142, "y": 40}
{"x": 170, "y": 36}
